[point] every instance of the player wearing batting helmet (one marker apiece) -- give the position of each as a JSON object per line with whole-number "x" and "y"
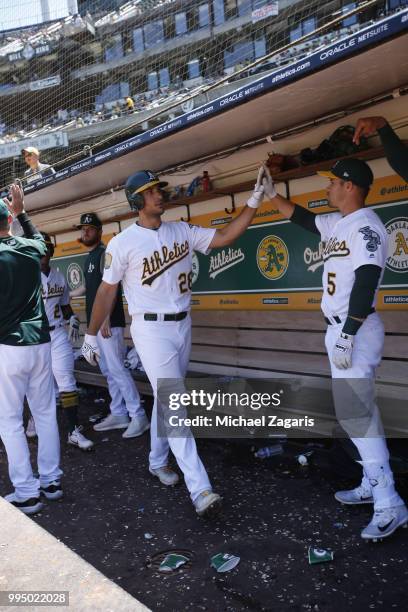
{"x": 137, "y": 184}
{"x": 154, "y": 260}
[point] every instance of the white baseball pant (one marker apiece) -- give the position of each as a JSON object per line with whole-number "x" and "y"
{"x": 122, "y": 388}
{"x": 366, "y": 357}
{"x": 26, "y": 371}
{"x": 164, "y": 350}
{"x": 62, "y": 357}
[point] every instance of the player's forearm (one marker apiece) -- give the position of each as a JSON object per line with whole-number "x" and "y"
{"x": 102, "y": 307}
{"x": 29, "y": 229}
{"x": 67, "y": 311}
{"x": 365, "y": 285}
{"x": 395, "y": 150}
{"x": 234, "y": 229}
{"x": 79, "y": 292}
{"x": 285, "y": 207}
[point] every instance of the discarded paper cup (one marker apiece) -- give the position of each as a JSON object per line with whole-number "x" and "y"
{"x": 319, "y": 555}
{"x": 172, "y": 562}
{"x": 224, "y": 562}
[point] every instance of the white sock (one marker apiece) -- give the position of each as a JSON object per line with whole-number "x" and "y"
{"x": 375, "y": 461}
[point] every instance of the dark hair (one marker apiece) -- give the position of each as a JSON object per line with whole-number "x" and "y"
{"x": 364, "y": 191}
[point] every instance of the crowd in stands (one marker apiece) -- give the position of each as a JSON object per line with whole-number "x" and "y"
{"x": 14, "y": 41}
{"x": 70, "y": 119}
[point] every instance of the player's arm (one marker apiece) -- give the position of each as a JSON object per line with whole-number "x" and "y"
{"x": 69, "y": 315}
{"x": 103, "y": 305}
{"x": 78, "y": 292}
{"x": 290, "y": 210}
{"x": 234, "y": 229}
{"x": 362, "y": 295}
{"x": 105, "y": 328}
{"x": 395, "y": 150}
{"x": 115, "y": 268}
{"x": 73, "y": 322}
{"x": 67, "y": 311}
{"x": 366, "y": 281}
{"x": 16, "y": 208}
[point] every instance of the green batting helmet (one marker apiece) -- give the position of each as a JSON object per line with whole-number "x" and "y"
{"x": 138, "y": 183}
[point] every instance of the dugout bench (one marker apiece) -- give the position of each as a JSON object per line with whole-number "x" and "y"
{"x": 281, "y": 344}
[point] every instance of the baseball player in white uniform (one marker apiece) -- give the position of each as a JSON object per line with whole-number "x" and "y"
{"x": 153, "y": 259}
{"x": 55, "y": 294}
{"x": 355, "y": 252}
{"x": 126, "y": 411}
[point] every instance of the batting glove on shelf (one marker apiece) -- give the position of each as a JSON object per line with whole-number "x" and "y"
{"x": 73, "y": 328}
{"x": 258, "y": 193}
{"x": 268, "y": 184}
{"x": 90, "y": 350}
{"x": 342, "y": 352}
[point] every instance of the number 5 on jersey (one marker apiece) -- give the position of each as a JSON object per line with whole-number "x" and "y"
{"x": 331, "y": 285}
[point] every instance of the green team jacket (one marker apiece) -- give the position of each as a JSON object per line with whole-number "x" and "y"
{"x": 23, "y": 321}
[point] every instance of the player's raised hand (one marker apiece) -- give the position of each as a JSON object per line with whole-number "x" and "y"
{"x": 367, "y": 126}
{"x": 342, "y": 352}
{"x": 258, "y": 193}
{"x": 90, "y": 350}
{"x": 268, "y": 184}
{"x": 73, "y": 328}
{"x": 16, "y": 203}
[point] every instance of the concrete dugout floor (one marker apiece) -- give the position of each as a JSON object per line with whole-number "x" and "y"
{"x": 273, "y": 510}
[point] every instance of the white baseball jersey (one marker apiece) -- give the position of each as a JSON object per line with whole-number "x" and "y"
{"x": 55, "y": 293}
{"x": 156, "y": 265}
{"x": 356, "y": 240}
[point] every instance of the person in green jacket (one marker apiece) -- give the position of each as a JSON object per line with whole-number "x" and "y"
{"x": 25, "y": 361}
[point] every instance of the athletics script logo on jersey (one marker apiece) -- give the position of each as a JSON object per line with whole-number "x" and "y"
{"x": 372, "y": 237}
{"x": 52, "y": 291}
{"x": 335, "y": 248}
{"x": 272, "y": 257}
{"x": 314, "y": 259}
{"x": 397, "y": 257}
{"x": 160, "y": 261}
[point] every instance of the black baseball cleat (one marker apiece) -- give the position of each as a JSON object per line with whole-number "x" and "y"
{"x": 53, "y": 491}
{"x": 28, "y": 506}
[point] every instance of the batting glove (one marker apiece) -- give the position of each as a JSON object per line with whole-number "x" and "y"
{"x": 268, "y": 184}
{"x": 258, "y": 193}
{"x": 342, "y": 352}
{"x": 73, "y": 328}
{"x": 90, "y": 350}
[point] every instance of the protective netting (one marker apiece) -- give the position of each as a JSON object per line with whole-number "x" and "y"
{"x": 80, "y": 83}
